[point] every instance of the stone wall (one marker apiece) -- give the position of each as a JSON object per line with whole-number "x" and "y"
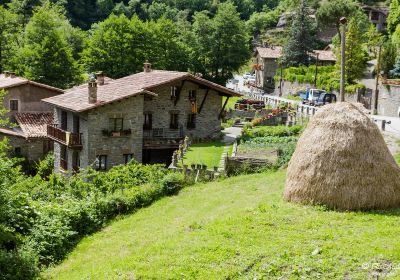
{"x": 389, "y": 100}
{"x": 207, "y": 123}
{"x": 32, "y": 149}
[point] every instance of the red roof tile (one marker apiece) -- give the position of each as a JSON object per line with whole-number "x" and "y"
{"x": 34, "y": 125}
{"x": 76, "y": 99}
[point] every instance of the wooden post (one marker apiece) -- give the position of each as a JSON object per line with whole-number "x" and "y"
{"x": 374, "y": 108}
{"x": 343, "y": 21}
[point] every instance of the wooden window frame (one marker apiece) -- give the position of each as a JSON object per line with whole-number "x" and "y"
{"x": 14, "y": 105}
{"x": 101, "y": 162}
{"x": 192, "y": 95}
{"x": 191, "y": 124}
{"x": 112, "y": 123}
{"x": 148, "y": 121}
{"x": 174, "y": 120}
{"x": 128, "y": 158}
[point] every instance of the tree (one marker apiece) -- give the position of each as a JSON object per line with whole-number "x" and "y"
{"x": 395, "y": 72}
{"x": 23, "y": 8}
{"x": 388, "y": 57}
{"x": 46, "y": 56}
{"x": 166, "y": 50}
{"x": 356, "y": 57}
{"x": 221, "y": 44}
{"x": 374, "y": 39}
{"x": 393, "y": 20}
{"x": 116, "y": 46}
{"x": 301, "y": 39}
{"x": 330, "y": 12}
{"x": 258, "y": 22}
{"x": 10, "y": 31}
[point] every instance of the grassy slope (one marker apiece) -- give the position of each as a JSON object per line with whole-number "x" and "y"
{"x": 236, "y": 228}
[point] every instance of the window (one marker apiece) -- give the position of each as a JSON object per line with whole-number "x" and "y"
{"x": 174, "y": 92}
{"x": 64, "y": 158}
{"x": 64, "y": 120}
{"x": 128, "y": 158}
{"x": 101, "y": 162}
{"x": 148, "y": 121}
{"x": 76, "y": 126}
{"x": 192, "y": 95}
{"x": 173, "y": 124}
{"x": 116, "y": 124}
{"x": 13, "y": 105}
{"x": 191, "y": 121}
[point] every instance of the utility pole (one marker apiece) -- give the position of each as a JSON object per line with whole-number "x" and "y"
{"x": 343, "y": 21}
{"x": 280, "y": 81}
{"x": 374, "y": 107}
{"x": 316, "y": 71}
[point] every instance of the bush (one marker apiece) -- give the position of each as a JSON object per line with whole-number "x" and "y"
{"x": 280, "y": 131}
{"x": 172, "y": 183}
{"x": 18, "y": 264}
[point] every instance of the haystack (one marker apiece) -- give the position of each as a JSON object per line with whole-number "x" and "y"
{"x": 342, "y": 161}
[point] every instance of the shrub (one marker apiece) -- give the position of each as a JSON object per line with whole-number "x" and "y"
{"x": 172, "y": 183}
{"x": 18, "y": 264}
{"x": 279, "y": 131}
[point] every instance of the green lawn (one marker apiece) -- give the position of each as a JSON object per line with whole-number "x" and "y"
{"x": 238, "y": 228}
{"x": 205, "y": 153}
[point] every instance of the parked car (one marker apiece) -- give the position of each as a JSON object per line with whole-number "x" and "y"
{"x": 302, "y": 94}
{"x": 325, "y": 98}
{"x": 313, "y": 95}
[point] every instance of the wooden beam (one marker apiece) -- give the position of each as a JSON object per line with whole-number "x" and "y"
{"x": 223, "y": 108}
{"x": 204, "y": 100}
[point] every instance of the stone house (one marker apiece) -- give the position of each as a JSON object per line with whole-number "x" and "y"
{"x": 377, "y": 16}
{"x": 142, "y": 117}
{"x": 28, "y": 136}
{"x": 266, "y": 64}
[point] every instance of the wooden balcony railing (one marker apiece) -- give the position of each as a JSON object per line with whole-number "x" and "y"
{"x": 71, "y": 140}
{"x": 163, "y": 133}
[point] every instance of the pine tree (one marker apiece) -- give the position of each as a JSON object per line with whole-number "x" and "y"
{"x": 356, "y": 57}
{"x": 301, "y": 39}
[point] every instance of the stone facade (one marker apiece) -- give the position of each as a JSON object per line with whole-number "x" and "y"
{"x": 94, "y": 124}
{"x": 208, "y": 125}
{"x": 265, "y": 75}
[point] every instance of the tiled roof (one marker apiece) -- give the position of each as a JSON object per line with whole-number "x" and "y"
{"x": 325, "y": 55}
{"x": 34, "y": 125}
{"x": 8, "y": 82}
{"x": 270, "y": 52}
{"x": 76, "y": 99}
{"x": 276, "y": 52}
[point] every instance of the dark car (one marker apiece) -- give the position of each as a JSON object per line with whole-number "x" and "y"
{"x": 325, "y": 98}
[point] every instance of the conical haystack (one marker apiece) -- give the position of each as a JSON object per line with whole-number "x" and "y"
{"x": 342, "y": 161}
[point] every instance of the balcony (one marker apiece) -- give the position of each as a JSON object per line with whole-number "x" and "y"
{"x": 162, "y": 138}
{"x": 162, "y": 133}
{"x": 71, "y": 140}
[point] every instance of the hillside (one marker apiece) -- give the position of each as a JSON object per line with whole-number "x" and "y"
{"x": 238, "y": 228}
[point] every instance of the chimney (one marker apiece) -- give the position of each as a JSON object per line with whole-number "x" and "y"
{"x": 7, "y": 74}
{"x": 13, "y": 75}
{"x": 100, "y": 78}
{"x": 147, "y": 67}
{"x": 92, "y": 91}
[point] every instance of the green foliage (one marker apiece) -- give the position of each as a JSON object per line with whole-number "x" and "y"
{"x": 258, "y": 22}
{"x": 47, "y": 56}
{"x": 395, "y": 72}
{"x": 220, "y": 44}
{"x": 46, "y": 166}
{"x": 301, "y": 39}
{"x": 10, "y": 30}
{"x": 280, "y": 131}
{"x": 393, "y": 19}
{"x": 356, "y": 56}
{"x": 388, "y": 57}
{"x": 331, "y": 11}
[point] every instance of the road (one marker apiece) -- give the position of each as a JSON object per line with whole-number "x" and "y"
{"x": 240, "y": 87}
